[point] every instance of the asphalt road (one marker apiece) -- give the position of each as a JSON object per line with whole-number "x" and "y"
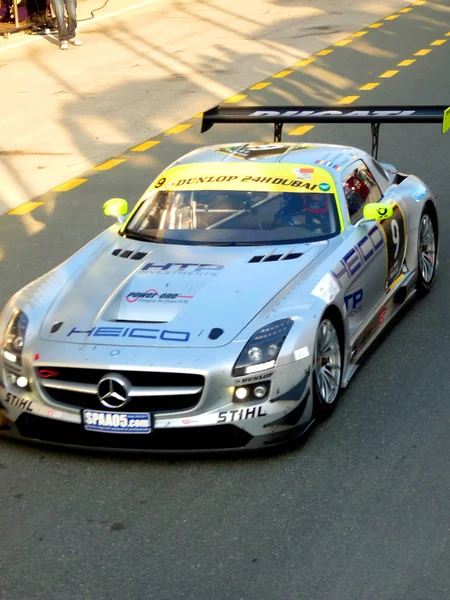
{"x": 360, "y": 512}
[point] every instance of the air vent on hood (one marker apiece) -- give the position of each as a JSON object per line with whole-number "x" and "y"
{"x": 275, "y": 257}
{"x": 129, "y": 254}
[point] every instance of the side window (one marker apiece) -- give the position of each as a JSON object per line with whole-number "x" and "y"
{"x": 360, "y": 188}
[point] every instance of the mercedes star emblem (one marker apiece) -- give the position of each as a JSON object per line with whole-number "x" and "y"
{"x": 113, "y": 390}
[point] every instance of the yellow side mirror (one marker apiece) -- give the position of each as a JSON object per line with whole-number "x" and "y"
{"x": 116, "y": 207}
{"x": 377, "y": 211}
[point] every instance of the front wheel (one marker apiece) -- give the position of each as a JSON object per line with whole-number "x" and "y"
{"x": 327, "y": 368}
{"x": 427, "y": 247}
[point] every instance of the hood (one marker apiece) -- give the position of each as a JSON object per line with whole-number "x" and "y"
{"x": 166, "y": 295}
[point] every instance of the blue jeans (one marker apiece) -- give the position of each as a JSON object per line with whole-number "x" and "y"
{"x": 71, "y": 7}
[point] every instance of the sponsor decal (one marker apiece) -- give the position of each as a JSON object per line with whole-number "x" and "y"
{"x": 273, "y": 181}
{"x": 304, "y": 173}
{"x": 242, "y": 414}
{"x": 47, "y": 373}
{"x": 19, "y": 402}
{"x": 155, "y": 296}
{"x": 419, "y": 194}
{"x": 145, "y": 333}
{"x": 353, "y": 302}
{"x": 255, "y": 378}
{"x": 190, "y": 421}
{"x": 182, "y": 269}
{"x": 332, "y": 113}
{"x": 301, "y": 353}
{"x": 382, "y": 314}
{"x": 359, "y": 255}
{"x": 117, "y": 422}
{"x": 327, "y": 289}
{"x": 324, "y": 187}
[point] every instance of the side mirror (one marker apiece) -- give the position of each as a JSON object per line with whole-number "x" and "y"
{"x": 116, "y": 207}
{"x": 376, "y": 211}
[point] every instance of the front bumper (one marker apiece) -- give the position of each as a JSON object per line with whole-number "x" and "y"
{"x": 216, "y": 423}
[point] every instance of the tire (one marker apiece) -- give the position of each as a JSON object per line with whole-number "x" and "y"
{"x": 327, "y": 367}
{"x": 427, "y": 245}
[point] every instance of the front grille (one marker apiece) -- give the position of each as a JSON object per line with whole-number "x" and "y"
{"x": 78, "y": 388}
{"x": 217, "y": 437}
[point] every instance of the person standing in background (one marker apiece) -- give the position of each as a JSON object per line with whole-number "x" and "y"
{"x": 66, "y": 33}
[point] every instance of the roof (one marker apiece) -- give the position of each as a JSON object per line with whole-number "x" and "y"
{"x": 329, "y": 155}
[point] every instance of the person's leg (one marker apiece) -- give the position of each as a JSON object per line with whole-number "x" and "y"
{"x": 71, "y": 7}
{"x": 58, "y": 7}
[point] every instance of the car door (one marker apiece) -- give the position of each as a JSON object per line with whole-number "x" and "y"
{"x": 365, "y": 259}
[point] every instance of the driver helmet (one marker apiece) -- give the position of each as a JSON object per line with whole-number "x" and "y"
{"x": 316, "y": 204}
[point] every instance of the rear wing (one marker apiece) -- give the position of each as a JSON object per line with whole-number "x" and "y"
{"x": 375, "y": 115}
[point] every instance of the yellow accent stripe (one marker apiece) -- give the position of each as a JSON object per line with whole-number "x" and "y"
{"x": 178, "y": 128}
{"x": 438, "y": 42}
{"x": 301, "y": 130}
{"x": 348, "y": 99}
{"x": 369, "y": 86}
{"x": 23, "y": 209}
{"x": 391, "y": 17}
{"x": 376, "y": 25}
{"x": 282, "y": 74}
{"x": 406, "y": 63}
{"x": 423, "y": 52}
{"x": 388, "y": 74}
{"x": 343, "y": 42}
{"x": 109, "y": 164}
{"x": 145, "y": 146}
{"x": 324, "y": 52}
{"x": 235, "y": 99}
{"x": 359, "y": 33}
{"x": 304, "y": 62}
{"x": 260, "y": 86}
{"x": 69, "y": 185}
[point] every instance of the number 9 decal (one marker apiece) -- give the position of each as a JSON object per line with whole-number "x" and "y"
{"x": 395, "y": 232}
{"x": 160, "y": 182}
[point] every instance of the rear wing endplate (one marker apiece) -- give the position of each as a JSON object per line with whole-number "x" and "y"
{"x": 375, "y": 115}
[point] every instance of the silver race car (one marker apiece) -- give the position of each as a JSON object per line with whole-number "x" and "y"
{"x": 233, "y": 303}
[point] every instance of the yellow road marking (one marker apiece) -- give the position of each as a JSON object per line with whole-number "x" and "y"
{"x": 282, "y": 74}
{"x": 109, "y": 164}
{"x": 69, "y": 185}
{"x": 348, "y": 99}
{"x": 178, "y": 128}
{"x": 145, "y": 146}
{"x": 23, "y": 209}
{"x": 422, "y": 52}
{"x": 359, "y": 33}
{"x": 301, "y": 130}
{"x": 369, "y": 86}
{"x": 391, "y": 17}
{"x": 438, "y": 42}
{"x": 405, "y": 10}
{"x": 419, "y": 2}
{"x": 388, "y": 74}
{"x": 199, "y": 116}
{"x": 448, "y": 34}
{"x": 406, "y": 63}
{"x": 260, "y": 86}
{"x": 304, "y": 62}
{"x": 343, "y": 42}
{"x": 235, "y": 99}
{"x": 324, "y": 52}
{"x": 376, "y": 25}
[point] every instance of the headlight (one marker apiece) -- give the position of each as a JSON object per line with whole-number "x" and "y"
{"x": 262, "y": 349}
{"x": 14, "y": 337}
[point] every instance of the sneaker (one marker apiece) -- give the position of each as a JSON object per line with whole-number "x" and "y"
{"x": 64, "y": 45}
{"x": 75, "y": 41}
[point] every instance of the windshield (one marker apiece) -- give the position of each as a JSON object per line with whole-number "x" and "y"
{"x": 215, "y": 217}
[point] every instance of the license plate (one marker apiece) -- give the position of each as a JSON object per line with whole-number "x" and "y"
{"x": 109, "y": 422}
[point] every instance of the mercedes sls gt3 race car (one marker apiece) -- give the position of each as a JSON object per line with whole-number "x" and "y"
{"x": 233, "y": 303}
